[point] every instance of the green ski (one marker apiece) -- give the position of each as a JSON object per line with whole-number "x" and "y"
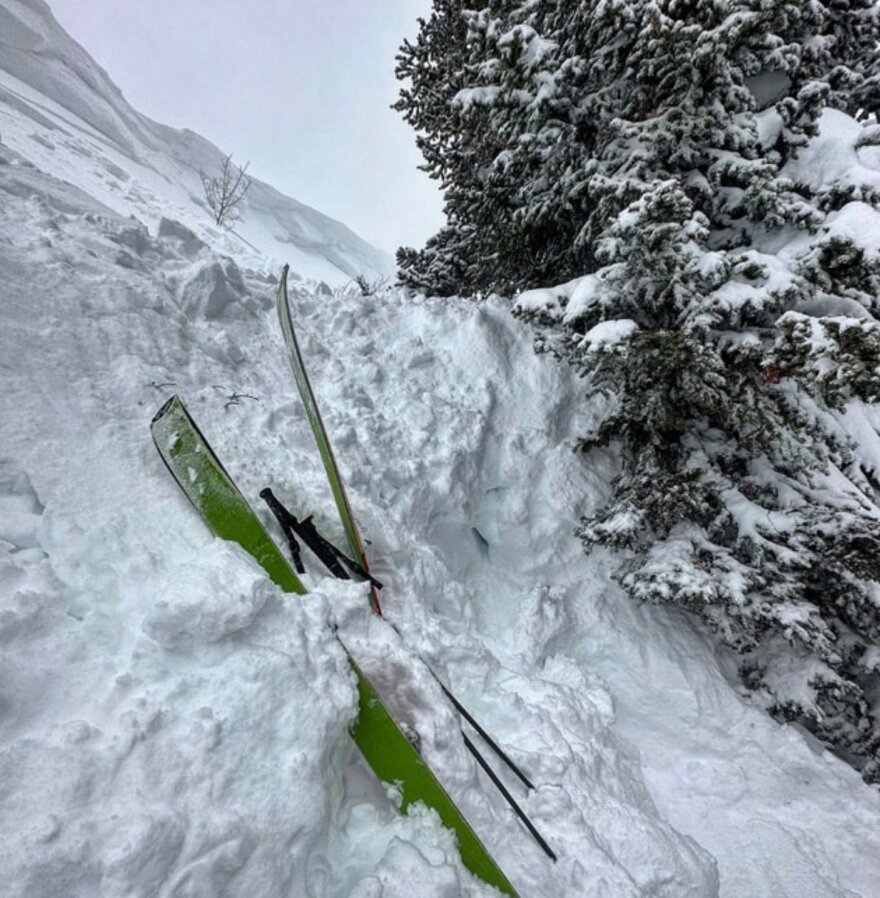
{"x": 352, "y": 534}
{"x": 199, "y": 473}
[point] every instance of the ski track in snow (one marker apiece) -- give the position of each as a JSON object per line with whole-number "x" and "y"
{"x": 172, "y": 725}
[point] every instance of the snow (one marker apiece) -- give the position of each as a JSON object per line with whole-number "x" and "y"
{"x": 221, "y": 596}
{"x": 578, "y": 293}
{"x": 609, "y": 333}
{"x": 572, "y": 301}
{"x": 835, "y": 158}
{"x": 475, "y": 96}
{"x": 171, "y": 724}
{"x": 60, "y": 110}
{"x": 859, "y": 223}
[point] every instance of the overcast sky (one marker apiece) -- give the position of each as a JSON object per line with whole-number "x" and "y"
{"x": 301, "y": 88}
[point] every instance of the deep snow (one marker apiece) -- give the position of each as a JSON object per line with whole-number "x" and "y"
{"x": 171, "y": 725}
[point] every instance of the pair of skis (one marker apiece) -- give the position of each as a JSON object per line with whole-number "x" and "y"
{"x": 202, "y": 477}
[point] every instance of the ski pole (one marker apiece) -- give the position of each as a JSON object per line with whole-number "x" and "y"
{"x": 324, "y": 550}
{"x": 510, "y": 799}
{"x": 486, "y": 737}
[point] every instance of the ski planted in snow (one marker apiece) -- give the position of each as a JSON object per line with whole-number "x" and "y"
{"x": 382, "y": 742}
{"x": 207, "y": 485}
{"x": 346, "y": 516}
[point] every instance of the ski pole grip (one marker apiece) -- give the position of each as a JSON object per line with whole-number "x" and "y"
{"x": 280, "y": 512}
{"x": 287, "y": 522}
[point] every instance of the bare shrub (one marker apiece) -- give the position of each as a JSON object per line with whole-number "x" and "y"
{"x": 225, "y": 190}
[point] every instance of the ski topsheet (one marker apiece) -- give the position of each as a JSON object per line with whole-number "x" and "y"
{"x": 352, "y": 534}
{"x": 211, "y": 490}
{"x": 383, "y": 744}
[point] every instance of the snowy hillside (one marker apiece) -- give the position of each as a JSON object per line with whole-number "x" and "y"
{"x": 61, "y": 111}
{"x": 172, "y": 725}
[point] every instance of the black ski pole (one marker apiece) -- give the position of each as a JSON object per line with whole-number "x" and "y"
{"x": 486, "y": 737}
{"x": 324, "y": 550}
{"x": 312, "y": 538}
{"x": 290, "y": 524}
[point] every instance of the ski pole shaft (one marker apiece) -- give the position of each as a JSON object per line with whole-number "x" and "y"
{"x": 508, "y": 797}
{"x": 486, "y": 737}
{"x": 355, "y": 568}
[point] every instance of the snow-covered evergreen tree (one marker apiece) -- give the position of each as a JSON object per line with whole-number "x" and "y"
{"x": 503, "y": 147}
{"x": 843, "y": 51}
{"x": 665, "y": 154}
{"x": 455, "y": 150}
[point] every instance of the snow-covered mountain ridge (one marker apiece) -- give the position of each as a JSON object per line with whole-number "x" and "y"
{"x": 61, "y": 111}
{"x": 171, "y": 725}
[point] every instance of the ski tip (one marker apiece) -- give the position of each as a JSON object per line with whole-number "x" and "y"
{"x": 164, "y": 410}
{"x": 284, "y": 271}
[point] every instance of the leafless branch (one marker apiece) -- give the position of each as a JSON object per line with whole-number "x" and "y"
{"x": 369, "y": 288}
{"x": 226, "y": 190}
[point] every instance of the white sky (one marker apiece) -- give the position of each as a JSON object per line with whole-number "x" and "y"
{"x": 301, "y": 88}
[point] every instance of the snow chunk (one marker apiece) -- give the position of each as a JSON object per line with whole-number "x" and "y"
{"x": 859, "y": 223}
{"x": 551, "y": 300}
{"x": 609, "y": 333}
{"x": 209, "y": 600}
{"x": 567, "y": 301}
{"x": 476, "y": 96}
{"x": 833, "y": 157}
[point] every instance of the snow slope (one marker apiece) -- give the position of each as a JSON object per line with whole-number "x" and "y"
{"x": 171, "y": 725}
{"x": 59, "y": 109}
